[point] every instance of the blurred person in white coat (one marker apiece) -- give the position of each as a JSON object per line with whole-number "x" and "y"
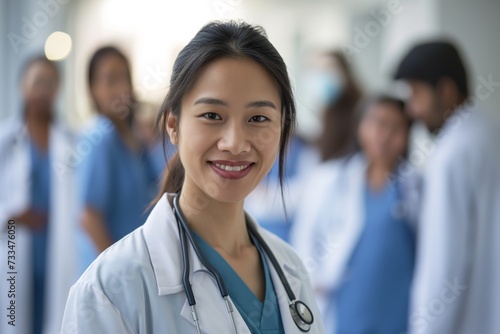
{"x": 355, "y": 227}
{"x": 457, "y": 271}
{"x": 36, "y": 208}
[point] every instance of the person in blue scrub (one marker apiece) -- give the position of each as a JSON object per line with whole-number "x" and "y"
{"x": 38, "y": 116}
{"x": 374, "y": 294}
{"x": 117, "y": 180}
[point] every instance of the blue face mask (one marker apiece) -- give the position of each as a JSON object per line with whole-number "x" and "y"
{"x": 323, "y": 88}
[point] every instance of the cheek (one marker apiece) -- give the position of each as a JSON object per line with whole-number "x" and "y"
{"x": 101, "y": 94}
{"x": 400, "y": 143}
{"x": 267, "y": 141}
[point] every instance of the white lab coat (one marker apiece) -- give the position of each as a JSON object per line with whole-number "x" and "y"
{"x": 135, "y": 286}
{"x": 330, "y": 219}
{"x": 15, "y": 167}
{"x": 458, "y": 261}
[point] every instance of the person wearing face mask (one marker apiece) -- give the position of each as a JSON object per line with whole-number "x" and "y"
{"x": 117, "y": 179}
{"x": 357, "y": 238}
{"x": 332, "y": 95}
{"x": 37, "y": 207}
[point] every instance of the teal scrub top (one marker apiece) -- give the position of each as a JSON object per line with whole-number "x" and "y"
{"x": 260, "y": 317}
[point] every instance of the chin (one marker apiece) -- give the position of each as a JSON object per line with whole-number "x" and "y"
{"x": 230, "y": 194}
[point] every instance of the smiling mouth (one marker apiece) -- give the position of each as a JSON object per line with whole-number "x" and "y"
{"x": 231, "y": 168}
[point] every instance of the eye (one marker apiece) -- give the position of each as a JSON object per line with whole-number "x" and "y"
{"x": 212, "y": 116}
{"x": 258, "y": 119}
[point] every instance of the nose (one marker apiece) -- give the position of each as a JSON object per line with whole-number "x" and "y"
{"x": 234, "y": 139}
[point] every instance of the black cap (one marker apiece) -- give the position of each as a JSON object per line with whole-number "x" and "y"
{"x": 432, "y": 61}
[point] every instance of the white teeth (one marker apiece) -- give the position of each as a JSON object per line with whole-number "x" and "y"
{"x": 231, "y": 168}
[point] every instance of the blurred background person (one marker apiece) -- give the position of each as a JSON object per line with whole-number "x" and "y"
{"x": 338, "y": 95}
{"x": 354, "y": 228}
{"x": 331, "y": 94}
{"x": 37, "y": 188}
{"x": 117, "y": 177}
{"x": 459, "y": 229}
{"x": 144, "y": 126}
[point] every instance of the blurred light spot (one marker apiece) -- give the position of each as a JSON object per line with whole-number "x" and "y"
{"x": 58, "y": 46}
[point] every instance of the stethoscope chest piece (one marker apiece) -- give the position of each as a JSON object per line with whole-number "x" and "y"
{"x": 301, "y": 315}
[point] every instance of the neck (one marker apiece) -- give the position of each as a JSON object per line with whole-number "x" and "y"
{"x": 37, "y": 117}
{"x": 221, "y": 225}
{"x": 378, "y": 174}
{"x": 125, "y": 133}
{"x": 450, "y": 111}
{"x": 38, "y": 125}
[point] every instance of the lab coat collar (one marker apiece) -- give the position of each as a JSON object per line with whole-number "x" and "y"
{"x": 162, "y": 239}
{"x": 460, "y": 114}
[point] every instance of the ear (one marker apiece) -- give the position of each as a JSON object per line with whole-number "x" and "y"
{"x": 172, "y": 129}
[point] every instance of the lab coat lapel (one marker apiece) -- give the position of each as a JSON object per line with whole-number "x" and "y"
{"x": 348, "y": 223}
{"x": 212, "y": 312}
{"x": 211, "y": 309}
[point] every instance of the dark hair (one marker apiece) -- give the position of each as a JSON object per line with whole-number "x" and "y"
{"x": 334, "y": 141}
{"x": 224, "y": 40}
{"x": 431, "y": 61}
{"x": 39, "y": 59}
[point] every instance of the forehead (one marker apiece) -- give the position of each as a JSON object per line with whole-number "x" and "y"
{"x": 39, "y": 69}
{"x": 385, "y": 110}
{"x": 110, "y": 63}
{"x": 420, "y": 86}
{"x": 234, "y": 79}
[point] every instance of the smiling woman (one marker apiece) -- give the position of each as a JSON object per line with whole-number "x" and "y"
{"x": 230, "y": 111}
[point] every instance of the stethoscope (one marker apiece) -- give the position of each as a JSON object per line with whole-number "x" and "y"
{"x": 301, "y": 313}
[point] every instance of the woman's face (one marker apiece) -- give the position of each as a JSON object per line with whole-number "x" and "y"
{"x": 229, "y": 130}
{"x": 383, "y": 133}
{"x": 111, "y": 87}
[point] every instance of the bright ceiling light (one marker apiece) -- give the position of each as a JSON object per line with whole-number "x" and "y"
{"x": 58, "y": 46}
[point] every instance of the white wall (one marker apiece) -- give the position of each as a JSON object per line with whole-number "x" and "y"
{"x": 475, "y": 25}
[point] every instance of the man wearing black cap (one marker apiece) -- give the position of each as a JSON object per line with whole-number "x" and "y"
{"x": 456, "y": 285}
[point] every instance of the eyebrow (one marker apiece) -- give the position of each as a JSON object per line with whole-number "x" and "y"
{"x": 217, "y": 102}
